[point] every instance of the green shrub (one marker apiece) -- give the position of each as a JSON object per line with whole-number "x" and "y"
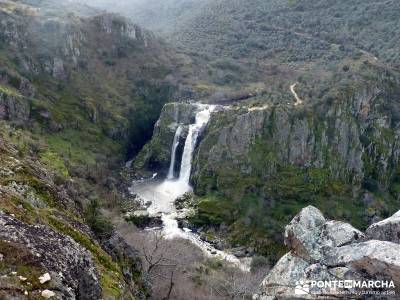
{"x": 99, "y": 224}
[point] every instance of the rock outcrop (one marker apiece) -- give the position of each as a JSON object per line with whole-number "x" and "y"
{"x": 73, "y": 272}
{"x": 386, "y": 230}
{"x": 12, "y": 107}
{"x": 300, "y": 233}
{"x": 331, "y": 251}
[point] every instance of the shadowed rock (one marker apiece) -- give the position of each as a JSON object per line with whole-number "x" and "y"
{"x": 386, "y": 230}
{"x": 376, "y": 258}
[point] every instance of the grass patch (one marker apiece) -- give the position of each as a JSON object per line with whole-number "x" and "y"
{"x": 54, "y": 162}
{"x": 214, "y": 210}
{"x": 9, "y": 91}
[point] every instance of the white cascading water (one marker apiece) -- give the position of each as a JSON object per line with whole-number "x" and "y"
{"x": 175, "y": 145}
{"x": 202, "y": 119}
{"x": 162, "y": 195}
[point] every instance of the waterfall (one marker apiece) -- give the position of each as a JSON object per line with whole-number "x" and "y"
{"x": 162, "y": 195}
{"x": 202, "y": 118}
{"x": 175, "y": 145}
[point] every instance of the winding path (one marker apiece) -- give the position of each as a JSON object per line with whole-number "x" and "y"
{"x": 298, "y": 100}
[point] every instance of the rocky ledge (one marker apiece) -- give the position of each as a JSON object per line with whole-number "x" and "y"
{"x": 328, "y": 251}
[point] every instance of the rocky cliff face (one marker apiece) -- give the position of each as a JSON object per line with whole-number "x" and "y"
{"x": 58, "y": 43}
{"x": 46, "y": 248}
{"x": 13, "y": 107}
{"x": 325, "y": 250}
{"x": 156, "y": 155}
{"x": 354, "y": 137}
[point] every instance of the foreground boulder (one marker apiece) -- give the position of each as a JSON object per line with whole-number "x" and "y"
{"x": 309, "y": 234}
{"x": 301, "y": 233}
{"x": 386, "y": 230}
{"x": 375, "y": 258}
{"x": 332, "y": 253}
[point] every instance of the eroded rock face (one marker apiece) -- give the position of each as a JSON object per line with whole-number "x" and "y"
{"x": 324, "y": 250}
{"x": 386, "y": 230}
{"x": 69, "y": 266}
{"x": 12, "y": 108}
{"x": 339, "y": 136}
{"x": 119, "y": 250}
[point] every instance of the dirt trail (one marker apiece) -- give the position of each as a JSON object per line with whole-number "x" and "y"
{"x": 259, "y": 107}
{"x": 298, "y": 100}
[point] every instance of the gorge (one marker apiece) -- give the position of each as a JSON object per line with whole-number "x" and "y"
{"x": 160, "y": 195}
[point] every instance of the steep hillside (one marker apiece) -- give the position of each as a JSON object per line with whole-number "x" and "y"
{"x": 74, "y": 84}
{"x": 77, "y": 94}
{"x": 44, "y": 234}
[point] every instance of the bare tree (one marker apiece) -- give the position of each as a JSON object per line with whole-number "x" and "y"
{"x": 232, "y": 283}
{"x": 159, "y": 262}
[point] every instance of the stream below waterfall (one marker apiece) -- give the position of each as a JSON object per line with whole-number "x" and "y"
{"x": 162, "y": 193}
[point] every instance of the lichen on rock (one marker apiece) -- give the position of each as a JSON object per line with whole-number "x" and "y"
{"x": 343, "y": 253}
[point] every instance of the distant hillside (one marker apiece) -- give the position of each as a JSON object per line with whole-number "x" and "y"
{"x": 257, "y": 43}
{"x": 234, "y": 27}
